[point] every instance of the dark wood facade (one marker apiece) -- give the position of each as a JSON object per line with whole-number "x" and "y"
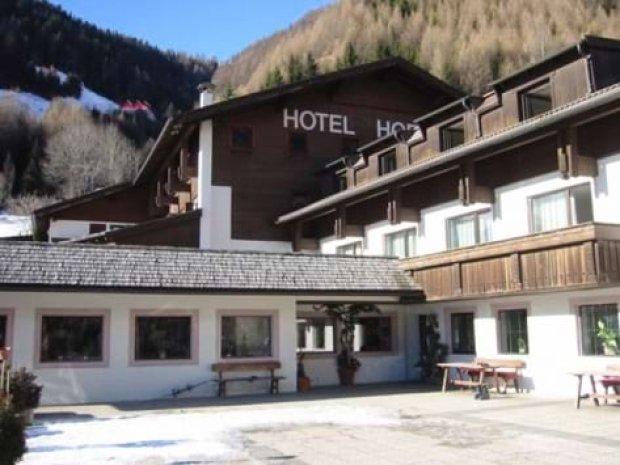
{"x": 579, "y": 257}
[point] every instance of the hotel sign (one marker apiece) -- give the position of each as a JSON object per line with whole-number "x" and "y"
{"x": 333, "y": 123}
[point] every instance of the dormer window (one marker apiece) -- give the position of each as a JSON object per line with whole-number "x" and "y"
{"x": 452, "y": 135}
{"x": 387, "y": 163}
{"x": 536, "y": 100}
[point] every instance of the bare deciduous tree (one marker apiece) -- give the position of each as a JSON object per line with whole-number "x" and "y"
{"x": 88, "y": 156}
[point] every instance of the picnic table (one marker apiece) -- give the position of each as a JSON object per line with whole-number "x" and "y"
{"x": 608, "y": 378}
{"x": 473, "y": 374}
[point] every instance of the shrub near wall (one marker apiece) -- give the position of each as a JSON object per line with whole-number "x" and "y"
{"x": 12, "y": 437}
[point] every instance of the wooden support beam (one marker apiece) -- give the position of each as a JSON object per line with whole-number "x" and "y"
{"x": 185, "y": 169}
{"x": 342, "y": 228}
{"x": 162, "y": 199}
{"x": 174, "y": 185}
{"x": 578, "y": 163}
{"x": 398, "y": 210}
{"x": 303, "y": 243}
{"x": 470, "y": 190}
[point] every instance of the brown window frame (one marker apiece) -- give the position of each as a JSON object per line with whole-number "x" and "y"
{"x": 476, "y": 214}
{"x": 570, "y": 214}
{"x": 525, "y": 93}
{"x": 391, "y": 154}
{"x": 445, "y": 129}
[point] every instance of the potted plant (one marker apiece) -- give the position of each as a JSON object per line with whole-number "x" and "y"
{"x": 303, "y": 381}
{"x": 12, "y": 436}
{"x": 25, "y": 393}
{"x": 608, "y": 338}
{"x": 345, "y": 315}
{"x": 433, "y": 351}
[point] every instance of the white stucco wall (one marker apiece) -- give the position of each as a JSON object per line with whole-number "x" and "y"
{"x": 375, "y": 367}
{"x": 510, "y": 211}
{"x": 120, "y": 381}
{"x": 74, "y": 229}
{"x": 552, "y": 335}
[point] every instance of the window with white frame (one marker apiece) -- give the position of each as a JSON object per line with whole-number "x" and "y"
{"x": 373, "y": 334}
{"x": 513, "y": 337}
{"x": 600, "y": 330}
{"x": 246, "y": 336}
{"x": 163, "y": 337}
{"x": 71, "y": 337}
{"x": 315, "y": 334}
{"x": 353, "y": 248}
{"x": 462, "y": 329}
{"x": 562, "y": 208}
{"x": 401, "y": 244}
{"x": 471, "y": 229}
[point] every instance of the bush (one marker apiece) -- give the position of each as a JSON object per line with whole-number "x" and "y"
{"x": 12, "y": 437}
{"x": 25, "y": 393}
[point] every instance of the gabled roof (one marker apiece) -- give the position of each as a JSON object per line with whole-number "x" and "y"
{"x": 564, "y": 56}
{"x": 179, "y": 124}
{"x": 76, "y": 267}
{"x": 603, "y": 99}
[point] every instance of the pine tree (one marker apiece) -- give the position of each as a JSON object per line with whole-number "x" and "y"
{"x": 274, "y": 78}
{"x": 294, "y": 69}
{"x": 311, "y": 69}
{"x": 351, "y": 58}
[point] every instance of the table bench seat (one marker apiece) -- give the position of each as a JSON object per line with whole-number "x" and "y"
{"x": 267, "y": 367}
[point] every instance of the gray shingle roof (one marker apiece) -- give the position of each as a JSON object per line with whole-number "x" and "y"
{"x": 180, "y": 269}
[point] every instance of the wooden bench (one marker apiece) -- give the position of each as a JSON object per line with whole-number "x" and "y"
{"x": 506, "y": 370}
{"x": 266, "y": 368}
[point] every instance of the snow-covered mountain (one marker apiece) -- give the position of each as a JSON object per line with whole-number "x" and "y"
{"x": 37, "y": 105}
{"x": 13, "y": 225}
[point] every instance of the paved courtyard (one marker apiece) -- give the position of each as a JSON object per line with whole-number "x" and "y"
{"x": 398, "y": 424}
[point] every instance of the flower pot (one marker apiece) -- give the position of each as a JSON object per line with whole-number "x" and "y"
{"x": 303, "y": 384}
{"x": 609, "y": 350}
{"x": 346, "y": 375}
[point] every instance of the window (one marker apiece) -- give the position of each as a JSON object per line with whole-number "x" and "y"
{"x": 315, "y": 335}
{"x": 73, "y": 338}
{"x": 246, "y": 336}
{"x": 163, "y": 337}
{"x": 470, "y": 229}
{"x": 297, "y": 143}
{"x": 462, "y": 328}
{"x": 387, "y": 163}
{"x": 599, "y": 329}
{"x": 560, "y": 209}
{"x": 513, "y": 331}
{"x": 5, "y": 327}
{"x": 242, "y": 138}
{"x": 452, "y": 135}
{"x": 536, "y": 100}
{"x": 401, "y": 244}
{"x": 354, "y": 248}
{"x": 373, "y": 334}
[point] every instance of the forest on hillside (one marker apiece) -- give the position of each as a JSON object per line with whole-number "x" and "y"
{"x": 467, "y": 43}
{"x": 69, "y": 151}
{"x": 36, "y": 33}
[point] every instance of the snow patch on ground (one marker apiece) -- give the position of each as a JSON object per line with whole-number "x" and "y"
{"x": 13, "y": 225}
{"x": 38, "y": 105}
{"x": 179, "y": 437}
{"x": 34, "y": 104}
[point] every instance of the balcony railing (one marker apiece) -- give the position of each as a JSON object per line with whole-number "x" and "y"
{"x": 577, "y": 257}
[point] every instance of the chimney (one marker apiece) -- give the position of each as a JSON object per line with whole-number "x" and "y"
{"x": 206, "y": 90}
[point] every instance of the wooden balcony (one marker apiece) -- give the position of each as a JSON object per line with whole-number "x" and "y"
{"x": 578, "y": 257}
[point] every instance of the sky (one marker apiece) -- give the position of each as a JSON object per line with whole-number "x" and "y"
{"x": 218, "y": 28}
